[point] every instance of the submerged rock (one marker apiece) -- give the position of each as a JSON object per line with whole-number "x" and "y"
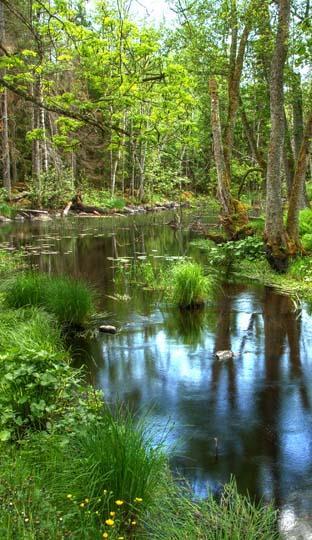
{"x": 224, "y": 355}
{"x": 108, "y": 329}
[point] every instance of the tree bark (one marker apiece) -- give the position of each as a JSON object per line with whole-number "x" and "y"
{"x": 275, "y": 233}
{"x": 298, "y": 186}
{"x": 6, "y": 161}
{"x": 256, "y": 152}
{"x": 233, "y": 215}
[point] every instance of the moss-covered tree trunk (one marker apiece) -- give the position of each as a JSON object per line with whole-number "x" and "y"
{"x": 233, "y": 215}
{"x": 275, "y": 233}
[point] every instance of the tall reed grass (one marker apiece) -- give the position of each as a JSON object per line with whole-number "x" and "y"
{"x": 190, "y": 287}
{"x": 70, "y": 301}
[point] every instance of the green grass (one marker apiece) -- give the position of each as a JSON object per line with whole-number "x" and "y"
{"x": 51, "y": 488}
{"x": 9, "y": 262}
{"x": 7, "y": 210}
{"x": 30, "y": 333}
{"x": 70, "y": 301}
{"x": 190, "y": 287}
{"x": 234, "y": 517}
{"x": 305, "y": 221}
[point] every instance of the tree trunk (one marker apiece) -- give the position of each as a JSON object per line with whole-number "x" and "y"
{"x": 6, "y": 162}
{"x": 297, "y": 188}
{"x": 275, "y": 233}
{"x": 288, "y": 157}
{"x": 233, "y": 216}
{"x": 252, "y": 142}
{"x": 297, "y": 107}
{"x": 233, "y": 95}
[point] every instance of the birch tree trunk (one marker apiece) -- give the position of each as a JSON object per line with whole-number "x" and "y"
{"x": 275, "y": 233}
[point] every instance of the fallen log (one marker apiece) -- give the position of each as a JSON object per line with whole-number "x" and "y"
{"x": 32, "y": 211}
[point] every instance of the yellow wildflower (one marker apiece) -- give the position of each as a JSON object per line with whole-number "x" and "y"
{"x": 86, "y": 501}
{"x": 138, "y": 500}
{"x": 133, "y": 523}
{"x": 69, "y": 496}
{"x": 119, "y": 502}
{"x": 109, "y": 522}
{"x": 113, "y": 514}
{"x": 105, "y": 535}
{"x": 82, "y": 505}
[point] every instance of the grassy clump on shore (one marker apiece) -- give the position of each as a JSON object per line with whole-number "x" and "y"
{"x": 70, "y": 301}
{"x": 60, "y": 490}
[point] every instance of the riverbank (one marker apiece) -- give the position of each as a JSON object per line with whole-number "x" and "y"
{"x": 82, "y": 471}
{"x": 95, "y": 203}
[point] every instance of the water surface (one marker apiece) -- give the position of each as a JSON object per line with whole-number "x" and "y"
{"x": 250, "y": 416}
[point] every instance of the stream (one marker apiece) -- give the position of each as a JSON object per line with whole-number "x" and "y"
{"x": 251, "y": 416}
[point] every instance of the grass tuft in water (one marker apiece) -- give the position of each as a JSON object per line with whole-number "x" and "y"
{"x": 190, "y": 287}
{"x": 70, "y": 301}
{"x": 234, "y": 517}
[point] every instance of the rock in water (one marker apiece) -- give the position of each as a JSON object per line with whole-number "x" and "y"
{"x": 108, "y": 329}
{"x": 224, "y": 355}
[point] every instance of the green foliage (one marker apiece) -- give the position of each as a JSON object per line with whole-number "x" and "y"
{"x": 301, "y": 269}
{"x": 190, "y": 288}
{"x": 6, "y": 209}
{"x": 36, "y": 381}
{"x": 102, "y": 199}
{"x": 306, "y": 241}
{"x": 228, "y": 256}
{"x": 52, "y": 189}
{"x": 69, "y": 300}
{"x": 305, "y": 221}
{"x": 257, "y": 225}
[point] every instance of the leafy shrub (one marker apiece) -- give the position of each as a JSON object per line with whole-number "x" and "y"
{"x": 52, "y": 189}
{"x": 190, "y": 287}
{"x": 71, "y": 301}
{"x": 225, "y": 257}
{"x": 38, "y": 388}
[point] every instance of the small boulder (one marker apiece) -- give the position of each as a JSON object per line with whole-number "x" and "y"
{"x": 108, "y": 329}
{"x": 224, "y": 355}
